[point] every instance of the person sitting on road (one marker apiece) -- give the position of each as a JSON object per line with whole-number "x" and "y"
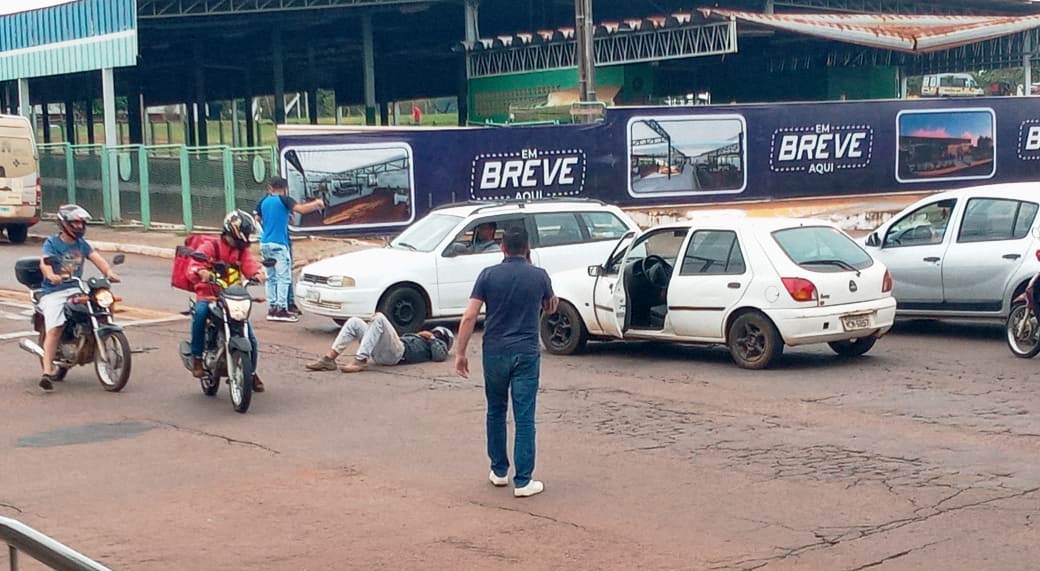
{"x": 232, "y": 249}
{"x": 379, "y": 343}
{"x": 63, "y": 255}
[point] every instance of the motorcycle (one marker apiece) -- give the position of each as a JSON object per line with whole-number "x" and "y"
{"x": 90, "y": 334}
{"x": 228, "y": 352}
{"x": 1023, "y": 324}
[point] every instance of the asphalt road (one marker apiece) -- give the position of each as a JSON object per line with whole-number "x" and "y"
{"x": 921, "y": 455}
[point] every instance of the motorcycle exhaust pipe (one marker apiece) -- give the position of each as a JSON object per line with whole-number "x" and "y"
{"x": 31, "y": 347}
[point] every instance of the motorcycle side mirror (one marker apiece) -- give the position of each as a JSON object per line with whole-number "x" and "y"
{"x": 269, "y": 262}
{"x": 118, "y": 259}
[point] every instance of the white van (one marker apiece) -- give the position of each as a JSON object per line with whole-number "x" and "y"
{"x": 19, "y": 178}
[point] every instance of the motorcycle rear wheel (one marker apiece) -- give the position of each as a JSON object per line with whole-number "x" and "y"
{"x": 115, "y": 373}
{"x": 1026, "y": 345}
{"x": 240, "y": 381}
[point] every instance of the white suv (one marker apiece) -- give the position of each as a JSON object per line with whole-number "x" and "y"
{"x": 965, "y": 253}
{"x": 753, "y": 284}
{"x": 428, "y": 271}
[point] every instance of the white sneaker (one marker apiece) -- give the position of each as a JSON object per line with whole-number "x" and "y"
{"x": 533, "y": 488}
{"x": 498, "y": 481}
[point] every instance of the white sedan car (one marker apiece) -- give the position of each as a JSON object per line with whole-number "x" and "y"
{"x": 753, "y": 284}
{"x": 428, "y": 271}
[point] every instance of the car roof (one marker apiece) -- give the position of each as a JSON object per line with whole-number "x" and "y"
{"x": 466, "y": 209}
{"x": 1014, "y": 190}
{"x": 765, "y": 224}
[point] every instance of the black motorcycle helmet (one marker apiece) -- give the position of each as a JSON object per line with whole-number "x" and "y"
{"x": 239, "y": 227}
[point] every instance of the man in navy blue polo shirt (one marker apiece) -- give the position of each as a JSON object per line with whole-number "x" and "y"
{"x": 514, "y": 292}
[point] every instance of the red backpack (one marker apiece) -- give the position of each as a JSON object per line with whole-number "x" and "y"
{"x": 180, "y": 277}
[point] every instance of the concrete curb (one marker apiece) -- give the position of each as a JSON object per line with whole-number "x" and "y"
{"x": 120, "y": 248}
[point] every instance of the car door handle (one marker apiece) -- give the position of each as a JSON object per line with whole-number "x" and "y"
{"x": 1012, "y": 256}
{"x": 733, "y": 285}
{"x": 932, "y": 259}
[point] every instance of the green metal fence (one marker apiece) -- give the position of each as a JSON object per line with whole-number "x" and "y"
{"x": 155, "y": 184}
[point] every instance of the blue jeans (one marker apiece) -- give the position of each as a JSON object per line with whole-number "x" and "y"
{"x": 516, "y": 375}
{"x": 279, "y": 278}
{"x": 198, "y": 333}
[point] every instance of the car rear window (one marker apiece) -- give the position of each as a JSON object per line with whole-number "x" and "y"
{"x": 822, "y": 249}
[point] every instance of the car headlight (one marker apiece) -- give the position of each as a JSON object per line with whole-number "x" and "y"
{"x": 340, "y": 281}
{"x": 104, "y": 298}
{"x": 238, "y": 309}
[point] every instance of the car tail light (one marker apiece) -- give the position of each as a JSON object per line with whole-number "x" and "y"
{"x": 886, "y": 284}
{"x": 800, "y": 289}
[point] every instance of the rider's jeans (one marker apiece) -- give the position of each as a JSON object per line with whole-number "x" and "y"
{"x": 198, "y": 333}
{"x": 279, "y": 278}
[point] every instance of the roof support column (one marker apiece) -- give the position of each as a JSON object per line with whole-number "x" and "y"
{"x": 368, "y": 68}
{"x": 70, "y": 122}
{"x": 235, "y": 138}
{"x": 768, "y": 8}
{"x": 46, "y": 122}
{"x": 250, "y": 125}
{"x": 277, "y": 59}
{"x": 134, "y": 116}
{"x": 312, "y": 87}
{"x": 108, "y": 95}
{"x": 586, "y": 54}
{"x": 89, "y": 106}
{"x": 24, "y": 107}
{"x": 1027, "y": 62}
{"x": 202, "y": 131}
{"x": 472, "y": 21}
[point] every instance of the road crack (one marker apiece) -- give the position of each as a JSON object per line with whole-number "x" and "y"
{"x": 884, "y": 560}
{"x": 11, "y": 507}
{"x": 528, "y": 513}
{"x": 229, "y": 440}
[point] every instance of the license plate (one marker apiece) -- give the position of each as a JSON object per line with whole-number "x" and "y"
{"x": 857, "y": 322}
{"x": 6, "y": 210}
{"x": 313, "y": 295}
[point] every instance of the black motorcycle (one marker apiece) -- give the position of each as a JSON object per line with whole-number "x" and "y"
{"x": 227, "y": 353}
{"x": 90, "y": 334}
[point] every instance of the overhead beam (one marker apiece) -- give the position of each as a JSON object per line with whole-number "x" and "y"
{"x": 154, "y": 9}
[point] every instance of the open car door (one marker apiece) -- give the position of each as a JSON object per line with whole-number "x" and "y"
{"x": 608, "y": 293}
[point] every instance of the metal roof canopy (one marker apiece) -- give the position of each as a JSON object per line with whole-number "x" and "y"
{"x": 903, "y": 33}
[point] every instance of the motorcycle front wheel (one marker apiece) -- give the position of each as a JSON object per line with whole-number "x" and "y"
{"x": 1023, "y": 332}
{"x": 113, "y": 371}
{"x": 240, "y": 381}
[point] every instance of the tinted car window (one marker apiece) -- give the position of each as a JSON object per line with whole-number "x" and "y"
{"x": 822, "y": 249}
{"x": 1026, "y": 217}
{"x": 603, "y": 225}
{"x": 557, "y": 229}
{"x": 467, "y": 242}
{"x": 988, "y": 219}
{"x": 924, "y": 226}
{"x": 713, "y": 252}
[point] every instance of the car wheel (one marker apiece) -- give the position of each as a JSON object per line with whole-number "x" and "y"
{"x": 853, "y": 347}
{"x": 17, "y": 234}
{"x": 405, "y": 307}
{"x": 564, "y": 332}
{"x": 753, "y": 341}
{"x": 339, "y": 322}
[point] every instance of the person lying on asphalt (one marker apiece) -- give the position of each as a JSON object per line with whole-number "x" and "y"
{"x": 379, "y": 343}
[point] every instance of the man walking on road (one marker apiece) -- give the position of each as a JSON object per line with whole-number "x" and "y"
{"x": 514, "y": 292}
{"x": 274, "y": 211}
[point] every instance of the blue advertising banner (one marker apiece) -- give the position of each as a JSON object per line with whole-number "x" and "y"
{"x": 381, "y": 180}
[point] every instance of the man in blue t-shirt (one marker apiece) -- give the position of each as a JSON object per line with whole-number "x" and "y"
{"x": 274, "y": 211}
{"x": 514, "y": 292}
{"x": 63, "y": 256}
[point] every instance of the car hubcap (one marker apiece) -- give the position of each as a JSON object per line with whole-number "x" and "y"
{"x": 404, "y": 312}
{"x": 559, "y": 329}
{"x": 751, "y": 342}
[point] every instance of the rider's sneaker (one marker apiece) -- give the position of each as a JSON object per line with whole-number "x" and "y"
{"x": 533, "y": 488}
{"x": 271, "y": 314}
{"x": 323, "y": 364}
{"x": 283, "y": 315}
{"x": 45, "y": 384}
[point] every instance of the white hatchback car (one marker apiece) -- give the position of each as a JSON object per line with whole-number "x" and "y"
{"x": 966, "y": 253}
{"x": 753, "y": 284}
{"x": 428, "y": 271}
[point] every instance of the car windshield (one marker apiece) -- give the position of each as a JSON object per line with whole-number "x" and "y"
{"x": 822, "y": 249}
{"x": 426, "y": 234}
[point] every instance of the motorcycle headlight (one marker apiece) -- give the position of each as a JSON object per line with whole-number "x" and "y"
{"x": 340, "y": 281}
{"x": 104, "y": 298}
{"x": 238, "y": 309}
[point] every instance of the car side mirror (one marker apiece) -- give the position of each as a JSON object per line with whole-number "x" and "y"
{"x": 874, "y": 241}
{"x": 595, "y": 270}
{"x": 118, "y": 259}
